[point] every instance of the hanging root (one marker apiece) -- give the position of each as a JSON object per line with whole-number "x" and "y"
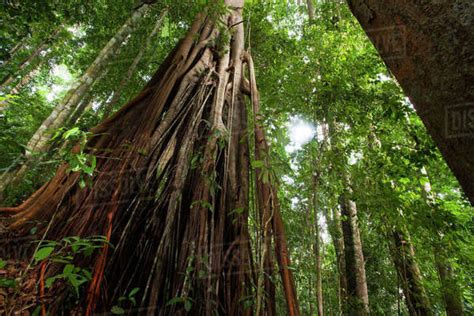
{"x": 268, "y": 198}
{"x": 171, "y": 193}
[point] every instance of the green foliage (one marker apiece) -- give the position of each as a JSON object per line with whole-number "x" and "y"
{"x": 187, "y": 302}
{"x": 74, "y": 155}
{"x": 4, "y": 282}
{"x": 324, "y": 71}
{"x": 65, "y": 252}
{"x": 130, "y": 299}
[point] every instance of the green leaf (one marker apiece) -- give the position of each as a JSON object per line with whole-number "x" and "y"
{"x": 175, "y": 300}
{"x": 7, "y": 283}
{"x": 37, "y": 311}
{"x": 71, "y": 133}
{"x": 49, "y": 281}
{"x": 117, "y": 310}
{"x": 258, "y": 164}
{"x": 133, "y": 292}
{"x": 188, "y": 305}
{"x": 2, "y": 264}
{"x": 68, "y": 269}
{"x": 43, "y": 253}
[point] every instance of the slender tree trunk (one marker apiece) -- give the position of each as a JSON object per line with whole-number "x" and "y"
{"x": 74, "y": 96}
{"x": 7, "y": 80}
{"x": 337, "y": 237}
{"x": 319, "y": 279}
{"x": 171, "y": 190}
{"x": 310, "y": 6}
{"x": 19, "y": 46}
{"x": 268, "y": 201}
{"x": 358, "y": 298}
{"x": 317, "y": 245}
{"x": 39, "y": 142}
{"x": 133, "y": 66}
{"x": 403, "y": 256}
{"x": 451, "y": 293}
{"x": 449, "y": 286}
{"x": 357, "y": 293}
{"x": 25, "y": 80}
{"x": 28, "y": 76}
{"x": 85, "y": 104}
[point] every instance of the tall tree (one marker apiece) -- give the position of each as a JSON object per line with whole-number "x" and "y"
{"x": 403, "y": 256}
{"x": 426, "y": 58}
{"x": 452, "y": 296}
{"x": 39, "y": 142}
{"x": 449, "y": 286}
{"x": 337, "y": 237}
{"x": 358, "y": 297}
{"x": 133, "y": 66}
{"x": 8, "y": 79}
{"x": 315, "y": 178}
{"x": 171, "y": 187}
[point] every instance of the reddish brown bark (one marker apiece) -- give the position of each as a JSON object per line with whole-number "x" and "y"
{"x": 269, "y": 203}
{"x": 171, "y": 189}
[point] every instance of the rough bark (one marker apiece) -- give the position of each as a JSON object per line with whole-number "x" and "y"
{"x": 403, "y": 256}
{"x": 428, "y": 46}
{"x": 170, "y": 191}
{"x": 358, "y": 298}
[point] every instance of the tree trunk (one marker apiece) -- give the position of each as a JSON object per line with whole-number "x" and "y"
{"x": 451, "y": 293}
{"x": 428, "y": 46}
{"x": 319, "y": 280}
{"x": 403, "y": 256}
{"x": 133, "y": 66}
{"x": 171, "y": 189}
{"x": 337, "y": 237}
{"x": 358, "y": 298}
{"x": 268, "y": 199}
{"x": 19, "y": 46}
{"x": 310, "y": 7}
{"x": 317, "y": 246}
{"x": 39, "y": 142}
{"x": 7, "y": 80}
{"x": 449, "y": 286}
{"x": 25, "y": 80}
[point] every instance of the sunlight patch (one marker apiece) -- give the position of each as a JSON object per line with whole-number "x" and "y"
{"x": 301, "y": 132}
{"x": 63, "y": 80}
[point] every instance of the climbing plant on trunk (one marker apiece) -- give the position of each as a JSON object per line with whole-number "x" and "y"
{"x": 170, "y": 190}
